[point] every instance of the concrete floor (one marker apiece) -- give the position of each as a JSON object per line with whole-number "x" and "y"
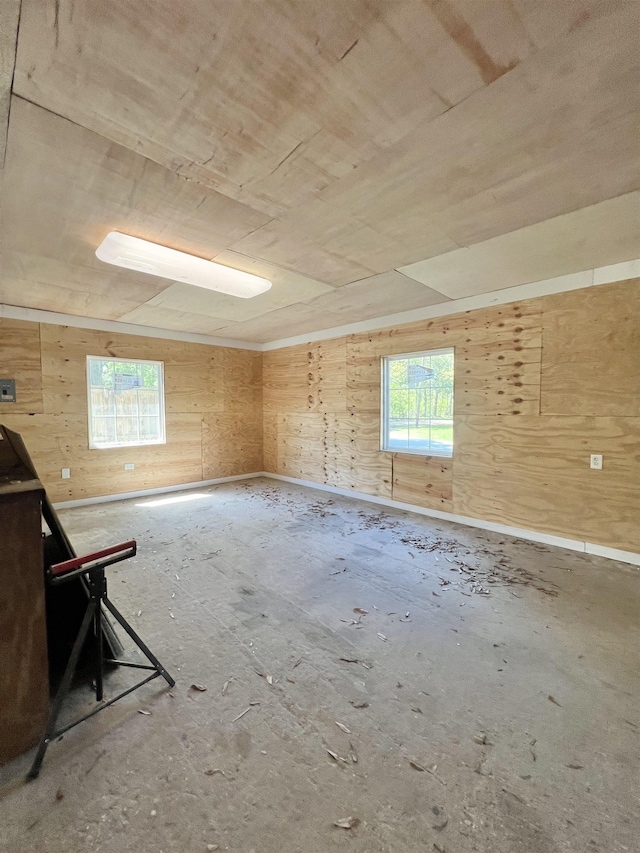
{"x": 504, "y": 721}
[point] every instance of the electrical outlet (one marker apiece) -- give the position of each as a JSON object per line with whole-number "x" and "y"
{"x": 66, "y": 473}
{"x": 596, "y": 461}
{"x": 129, "y": 466}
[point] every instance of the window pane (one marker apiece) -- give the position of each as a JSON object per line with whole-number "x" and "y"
{"x": 126, "y": 402}
{"x": 150, "y": 375}
{"x": 103, "y": 430}
{"x": 398, "y": 374}
{"x": 148, "y": 401}
{"x": 419, "y": 403}
{"x": 127, "y": 430}
{"x": 102, "y": 402}
{"x": 149, "y": 429}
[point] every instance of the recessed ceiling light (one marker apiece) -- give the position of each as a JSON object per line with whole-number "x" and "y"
{"x": 132, "y": 253}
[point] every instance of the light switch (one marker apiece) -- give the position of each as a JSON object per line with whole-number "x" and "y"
{"x": 66, "y": 473}
{"x": 596, "y": 461}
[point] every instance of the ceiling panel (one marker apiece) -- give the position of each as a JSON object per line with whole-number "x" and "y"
{"x": 341, "y": 247}
{"x": 246, "y": 90}
{"x": 605, "y": 233}
{"x": 198, "y": 300}
{"x": 386, "y": 293}
{"x": 171, "y": 318}
{"x": 556, "y": 133}
{"x": 298, "y": 319}
{"x": 474, "y": 144}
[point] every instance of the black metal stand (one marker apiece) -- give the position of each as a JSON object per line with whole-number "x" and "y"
{"x": 96, "y": 582}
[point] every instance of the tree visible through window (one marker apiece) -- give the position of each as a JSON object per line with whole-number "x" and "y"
{"x": 126, "y": 402}
{"x": 417, "y": 410}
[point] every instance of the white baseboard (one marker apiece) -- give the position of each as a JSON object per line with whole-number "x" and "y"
{"x": 143, "y": 493}
{"x": 612, "y": 553}
{"x": 495, "y": 527}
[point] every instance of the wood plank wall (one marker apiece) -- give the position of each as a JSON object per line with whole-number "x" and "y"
{"x": 213, "y": 401}
{"x": 539, "y": 386}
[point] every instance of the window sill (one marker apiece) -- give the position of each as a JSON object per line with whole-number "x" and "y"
{"x": 408, "y": 452}
{"x": 125, "y": 446}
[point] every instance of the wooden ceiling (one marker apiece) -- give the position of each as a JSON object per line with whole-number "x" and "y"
{"x": 369, "y": 156}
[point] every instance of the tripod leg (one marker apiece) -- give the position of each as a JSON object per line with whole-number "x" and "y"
{"x": 136, "y": 639}
{"x": 65, "y": 684}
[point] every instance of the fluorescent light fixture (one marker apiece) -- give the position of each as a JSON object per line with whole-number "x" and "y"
{"x": 143, "y": 256}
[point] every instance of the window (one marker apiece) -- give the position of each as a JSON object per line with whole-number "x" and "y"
{"x": 417, "y": 403}
{"x": 126, "y": 402}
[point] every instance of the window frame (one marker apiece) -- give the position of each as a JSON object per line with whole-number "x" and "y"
{"x": 385, "y": 399}
{"x": 161, "y": 405}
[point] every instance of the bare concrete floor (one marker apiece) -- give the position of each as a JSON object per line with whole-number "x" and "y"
{"x": 502, "y": 721}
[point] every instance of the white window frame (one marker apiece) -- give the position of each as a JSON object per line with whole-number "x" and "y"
{"x": 384, "y": 404}
{"x": 161, "y": 405}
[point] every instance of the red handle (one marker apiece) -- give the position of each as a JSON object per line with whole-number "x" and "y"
{"x": 78, "y": 562}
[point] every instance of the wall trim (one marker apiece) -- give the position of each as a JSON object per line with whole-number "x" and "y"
{"x": 144, "y": 493}
{"x": 35, "y": 315}
{"x": 517, "y": 532}
{"x": 560, "y": 284}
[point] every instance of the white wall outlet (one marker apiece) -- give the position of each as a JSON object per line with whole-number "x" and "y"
{"x": 596, "y": 461}
{"x": 129, "y": 466}
{"x": 66, "y": 473}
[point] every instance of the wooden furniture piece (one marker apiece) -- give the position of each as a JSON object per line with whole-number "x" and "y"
{"x": 24, "y": 677}
{"x": 31, "y": 612}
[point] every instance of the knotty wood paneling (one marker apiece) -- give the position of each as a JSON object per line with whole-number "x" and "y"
{"x": 520, "y": 458}
{"x": 213, "y": 405}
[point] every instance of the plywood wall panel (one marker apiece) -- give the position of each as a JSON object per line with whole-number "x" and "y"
{"x": 60, "y": 441}
{"x": 285, "y": 379}
{"x": 193, "y": 372}
{"x": 240, "y": 381}
{"x": 20, "y": 360}
{"x": 300, "y": 445}
{"x": 591, "y": 352}
{"x": 270, "y": 442}
{"x": 423, "y": 480}
{"x": 513, "y": 462}
{"x": 231, "y": 444}
{"x": 535, "y": 472}
{"x": 327, "y": 376}
{"x": 213, "y": 404}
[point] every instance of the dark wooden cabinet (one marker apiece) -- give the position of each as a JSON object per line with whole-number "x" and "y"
{"x": 24, "y": 677}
